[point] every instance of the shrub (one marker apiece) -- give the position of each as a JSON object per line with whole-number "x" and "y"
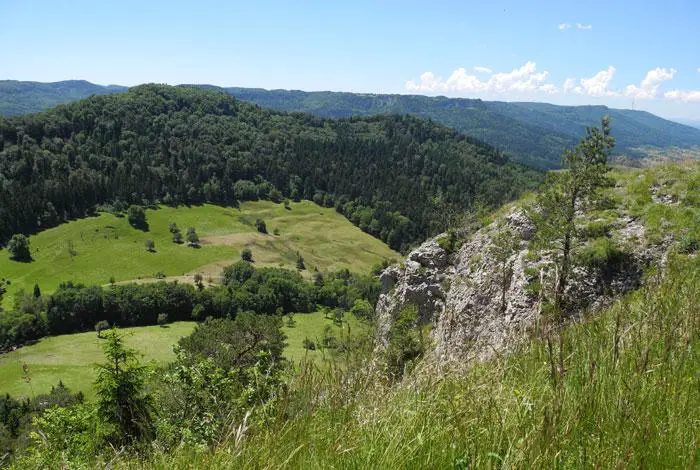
{"x": 247, "y": 255}
{"x": 601, "y": 253}
{"x": 688, "y": 244}
{"x": 450, "y": 242}
{"x": 406, "y": 342}
{"x": 362, "y": 309}
{"x": 192, "y": 237}
{"x": 309, "y": 345}
{"x": 232, "y": 344}
{"x": 101, "y": 326}
{"x": 260, "y": 225}
{"x": 19, "y": 248}
{"x": 137, "y": 217}
{"x": 162, "y": 319}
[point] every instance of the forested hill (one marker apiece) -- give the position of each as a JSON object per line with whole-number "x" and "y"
{"x": 30, "y": 97}
{"x": 531, "y": 133}
{"x": 395, "y": 177}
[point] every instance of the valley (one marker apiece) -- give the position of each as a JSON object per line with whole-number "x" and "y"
{"x": 200, "y": 276}
{"x": 105, "y": 248}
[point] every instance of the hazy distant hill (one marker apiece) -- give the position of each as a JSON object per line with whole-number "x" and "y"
{"x": 532, "y": 133}
{"x": 689, "y": 122}
{"x": 30, "y": 97}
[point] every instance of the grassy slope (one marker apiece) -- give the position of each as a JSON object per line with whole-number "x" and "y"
{"x": 71, "y": 358}
{"x": 620, "y": 389}
{"x": 108, "y": 246}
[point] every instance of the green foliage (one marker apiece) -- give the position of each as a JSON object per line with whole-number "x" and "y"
{"x": 137, "y": 217}
{"x": 101, "y": 326}
{"x": 688, "y": 244}
{"x": 533, "y": 133}
{"x": 601, "y": 253}
{"x": 567, "y": 193}
{"x": 260, "y": 226}
{"x": 237, "y": 151}
{"x": 16, "y": 416}
{"x": 192, "y": 237}
{"x": 450, "y": 242}
{"x": 18, "y": 247}
{"x": 407, "y": 342}
{"x": 201, "y": 403}
{"x": 627, "y": 396}
{"x": 162, "y": 319}
{"x": 74, "y": 434}
{"x": 362, "y": 309}
{"x": 300, "y": 262}
{"x": 234, "y": 344}
{"x": 309, "y": 344}
{"x": 123, "y": 404}
{"x": 247, "y": 255}
{"x": 595, "y": 229}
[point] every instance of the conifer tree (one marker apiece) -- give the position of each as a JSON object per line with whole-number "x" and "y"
{"x": 567, "y": 193}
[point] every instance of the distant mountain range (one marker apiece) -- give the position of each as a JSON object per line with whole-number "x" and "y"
{"x": 532, "y": 133}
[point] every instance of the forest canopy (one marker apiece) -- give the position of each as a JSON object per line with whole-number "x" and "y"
{"x": 394, "y": 176}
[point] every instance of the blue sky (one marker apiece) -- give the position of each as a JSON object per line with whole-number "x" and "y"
{"x": 642, "y": 54}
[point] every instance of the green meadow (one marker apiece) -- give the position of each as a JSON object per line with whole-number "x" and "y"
{"x": 97, "y": 249}
{"x": 72, "y": 358}
{"x": 311, "y": 326}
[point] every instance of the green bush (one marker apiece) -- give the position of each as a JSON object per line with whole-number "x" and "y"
{"x": 601, "y": 253}
{"x": 449, "y": 242}
{"x": 407, "y": 343}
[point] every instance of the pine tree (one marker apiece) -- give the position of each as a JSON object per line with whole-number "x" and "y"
{"x": 567, "y": 193}
{"x": 122, "y": 401}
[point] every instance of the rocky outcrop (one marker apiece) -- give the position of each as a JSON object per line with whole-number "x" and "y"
{"x": 460, "y": 294}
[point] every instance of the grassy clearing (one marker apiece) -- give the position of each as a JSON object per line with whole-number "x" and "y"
{"x": 95, "y": 249}
{"x": 311, "y": 326}
{"x": 71, "y": 358}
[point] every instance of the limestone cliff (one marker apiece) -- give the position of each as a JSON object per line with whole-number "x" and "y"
{"x": 460, "y": 293}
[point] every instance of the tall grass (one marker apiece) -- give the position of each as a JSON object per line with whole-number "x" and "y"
{"x": 620, "y": 389}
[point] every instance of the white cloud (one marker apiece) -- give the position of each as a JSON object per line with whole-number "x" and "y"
{"x": 522, "y": 79}
{"x": 598, "y": 85}
{"x": 482, "y": 69}
{"x": 648, "y": 89}
{"x": 683, "y": 95}
{"x": 584, "y": 26}
{"x": 564, "y": 26}
{"x": 569, "y": 85}
{"x": 698, "y": 69}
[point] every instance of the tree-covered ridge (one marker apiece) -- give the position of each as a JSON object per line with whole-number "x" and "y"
{"x": 30, "y": 97}
{"x": 532, "y": 133}
{"x": 394, "y": 176}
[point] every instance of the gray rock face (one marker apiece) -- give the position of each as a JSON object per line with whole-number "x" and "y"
{"x": 460, "y": 294}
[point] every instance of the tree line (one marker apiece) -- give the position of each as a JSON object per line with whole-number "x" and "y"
{"x": 76, "y": 307}
{"x": 393, "y": 176}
